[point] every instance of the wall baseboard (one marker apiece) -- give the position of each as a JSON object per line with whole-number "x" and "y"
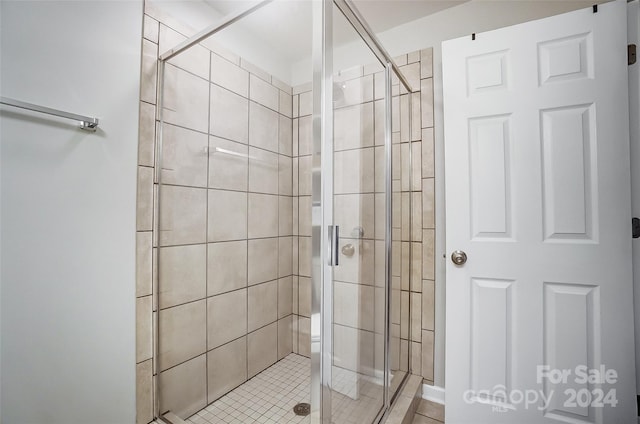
{"x": 433, "y": 393}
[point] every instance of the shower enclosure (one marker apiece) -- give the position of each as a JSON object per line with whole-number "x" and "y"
{"x": 283, "y": 210}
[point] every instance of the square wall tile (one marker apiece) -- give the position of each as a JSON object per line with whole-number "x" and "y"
{"x": 360, "y": 267}
{"x": 183, "y": 274}
{"x": 416, "y": 130}
{"x": 295, "y": 295}
{"x": 416, "y": 165}
{"x": 355, "y": 91}
{"x": 147, "y": 134}
{"x": 226, "y": 368}
{"x": 285, "y": 256}
{"x": 144, "y": 205}
{"x": 186, "y": 99}
{"x": 144, "y": 392}
{"x": 285, "y": 176}
{"x": 304, "y": 215}
{"x": 295, "y": 137}
{"x": 428, "y": 170}
{"x": 416, "y": 317}
{"x": 353, "y": 349}
{"x": 227, "y": 215}
{"x": 405, "y": 118}
{"x": 184, "y": 388}
{"x": 227, "y": 317}
{"x": 144, "y": 264}
{"x": 285, "y": 336}
{"x": 304, "y": 256}
{"x": 304, "y": 296}
{"x": 353, "y": 127}
{"x": 285, "y": 104}
{"x": 262, "y": 346}
{"x": 263, "y": 260}
{"x": 428, "y": 249}
{"x": 428, "y": 203}
{"x": 295, "y": 217}
{"x": 262, "y": 305}
{"x": 228, "y": 164}
{"x": 353, "y": 305}
{"x": 296, "y": 105}
{"x": 416, "y": 216}
{"x": 355, "y": 212}
{"x": 304, "y": 176}
{"x": 194, "y": 59}
{"x": 426, "y": 91}
{"x": 305, "y": 136}
{"x": 354, "y": 171}
{"x": 227, "y": 266}
{"x": 184, "y": 215}
{"x": 285, "y": 136}
{"x": 285, "y": 301}
{"x": 256, "y": 71}
{"x": 285, "y": 215}
{"x": 229, "y": 75}
{"x": 263, "y": 215}
{"x": 263, "y": 127}
{"x": 295, "y": 335}
{"x": 416, "y": 358}
{"x": 426, "y": 65}
{"x": 263, "y": 171}
{"x": 428, "y": 305}
{"x": 427, "y": 354}
{"x": 144, "y": 336}
{"x": 416, "y": 267}
{"x": 304, "y": 336}
{"x": 306, "y": 103}
{"x": 184, "y": 157}
{"x": 182, "y": 333}
{"x": 229, "y": 115}
{"x": 264, "y": 93}
{"x": 412, "y": 73}
{"x": 380, "y": 165}
{"x": 150, "y": 29}
{"x": 149, "y": 72}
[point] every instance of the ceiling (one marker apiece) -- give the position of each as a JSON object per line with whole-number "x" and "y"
{"x": 285, "y": 25}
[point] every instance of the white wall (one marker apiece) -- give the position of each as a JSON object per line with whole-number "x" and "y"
{"x": 68, "y": 212}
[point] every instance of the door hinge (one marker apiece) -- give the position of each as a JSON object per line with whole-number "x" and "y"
{"x": 635, "y": 227}
{"x": 631, "y": 54}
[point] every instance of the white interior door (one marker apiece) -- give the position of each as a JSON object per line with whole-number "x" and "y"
{"x": 538, "y": 196}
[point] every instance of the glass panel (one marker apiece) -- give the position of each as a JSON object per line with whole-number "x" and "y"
{"x": 359, "y": 292}
{"x": 234, "y": 219}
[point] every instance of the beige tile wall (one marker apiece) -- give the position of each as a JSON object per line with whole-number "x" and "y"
{"x": 224, "y": 249}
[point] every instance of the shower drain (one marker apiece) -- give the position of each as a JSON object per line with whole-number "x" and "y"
{"x": 302, "y": 409}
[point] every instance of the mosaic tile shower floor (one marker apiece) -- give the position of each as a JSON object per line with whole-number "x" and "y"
{"x": 269, "y": 397}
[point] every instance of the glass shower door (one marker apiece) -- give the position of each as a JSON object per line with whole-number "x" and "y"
{"x": 359, "y": 295}
{"x": 352, "y": 227}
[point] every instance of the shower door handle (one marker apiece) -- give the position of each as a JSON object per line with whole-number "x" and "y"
{"x": 334, "y": 252}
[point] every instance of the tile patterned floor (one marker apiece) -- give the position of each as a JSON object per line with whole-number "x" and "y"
{"x": 269, "y": 397}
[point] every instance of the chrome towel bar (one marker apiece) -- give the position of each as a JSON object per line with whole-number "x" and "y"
{"x": 86, "y": 123}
